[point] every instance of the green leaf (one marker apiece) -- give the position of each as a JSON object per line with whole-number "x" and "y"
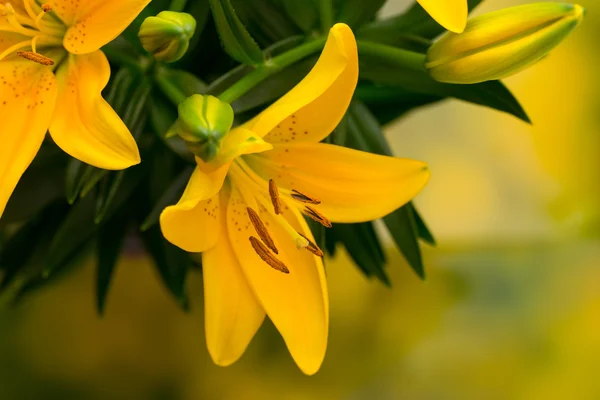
{"x": 364, "y": 248}
{"x": 266, "y": 20}
{"x": 71, "y": 236}
{"x": 168, "y": 198}
{"x": 414, "y": 22}
{"x": 388, "y": 103}
{"x": 177, "y": 85}
{"x": 357, "y": 12}
{"x": 392, "y": 66}
{"x": 401, "y": 224}
{"x": 110, "y": 245}
{"x": 235, "y": 38}
{"x": 44, "y": 177}
{"x": 304, "y": 13}
{"x": 79, "y": 226}
{"x": 171, "y": 262}
{"x": 422, "y": 229}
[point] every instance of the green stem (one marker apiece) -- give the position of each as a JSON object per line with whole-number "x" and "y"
{"x": 270, "y": 67}
{"x": 393, "y": 55}
{"x": 177, "y": 5}
{"x": 326, "y": 14}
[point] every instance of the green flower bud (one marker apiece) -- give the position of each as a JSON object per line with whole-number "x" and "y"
{"x": 167, "y": 36}
{"x": 502, "y": 43}
{"x": 203, "y": 122}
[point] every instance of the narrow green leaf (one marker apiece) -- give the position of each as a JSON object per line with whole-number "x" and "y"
{"x": 79, "y": 226}
{"x": 235, "y": 38}
{"x": 46, "y": 178}
{"x": 401, "y": 224}
{"x": 169, "y": 197}
{"x": 110, "y": 245}
{"x": 388, "y": 103}
{"x": 422, "y": 229}
{"x": 392, "y": 66}
{"x": 304, "y": 13}
{"x": 357, "y": 12}
{"x": 364, "y": 248}
{"x": 267, "y": 21}
{"x": 77, "y": 175}
{"x": 171, "y": 262}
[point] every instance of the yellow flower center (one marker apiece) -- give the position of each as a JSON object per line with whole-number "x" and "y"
{"x": 268, "y": 198}
{"x": 38, "y": 26}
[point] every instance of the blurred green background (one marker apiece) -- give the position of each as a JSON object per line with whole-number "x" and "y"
{"x": 510, "y": 309}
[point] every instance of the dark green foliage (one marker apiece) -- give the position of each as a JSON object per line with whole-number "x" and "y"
{"x": 77, "y": 209}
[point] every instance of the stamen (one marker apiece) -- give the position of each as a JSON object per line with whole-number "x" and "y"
{"x": 302, "y": 198}
{"x": 35, "y": 57}
{"x": 46, "y": 8}
{"x": 274, "y": 192}
{"x": 313, "y": 248}
{"x": 261, "y": 229}
{"x": 266, "y": 255}
{"x": 317, "y": 216}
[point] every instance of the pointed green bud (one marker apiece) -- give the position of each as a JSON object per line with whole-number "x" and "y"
{"x": 203, "y": 122}
{"x": 502, "y": 43}
{"x": 167, "y": 36}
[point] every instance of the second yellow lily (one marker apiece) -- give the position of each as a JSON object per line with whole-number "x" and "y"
{"x": 244, "y": 209}
{"x": 51, "y": 77}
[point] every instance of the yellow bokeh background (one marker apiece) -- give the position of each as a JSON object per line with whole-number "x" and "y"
{"x": 510, "y": 309}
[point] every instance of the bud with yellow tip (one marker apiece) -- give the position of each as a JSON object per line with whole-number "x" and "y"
{"x": 203, "y": 122}
{"x": 502, "y": 43}
{"x": 167, "y": 36}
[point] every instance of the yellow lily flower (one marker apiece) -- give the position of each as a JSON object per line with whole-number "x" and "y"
{"x": 243, "y": 210}
{"x": 451, "y": 14}
{"x": 51, "y": 76}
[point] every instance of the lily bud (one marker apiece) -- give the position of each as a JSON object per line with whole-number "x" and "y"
{"x": 167, "y": 36}
{"x": 203, "y": 122}
{"x": 502, "y": 43}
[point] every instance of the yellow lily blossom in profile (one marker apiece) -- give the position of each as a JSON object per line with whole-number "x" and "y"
{"x": 51, "y": 76}
{"x": 244, "y": 210}
{"x": 451, "y": 14}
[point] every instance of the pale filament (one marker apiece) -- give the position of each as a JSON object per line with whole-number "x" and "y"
{"x": 52, "y": 34}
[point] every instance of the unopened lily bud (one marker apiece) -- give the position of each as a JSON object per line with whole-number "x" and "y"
{"x": 167, "y": 36}
{"x": 502, "y": 43}
{"x": 203, "y": 122}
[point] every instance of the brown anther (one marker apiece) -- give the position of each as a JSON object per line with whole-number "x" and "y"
{"x": 264, "y": 253}
{"x": 312, "y": 247}
{"x": 302, "y": 198}
{"x": 274, "y": 192}
{"x": 46, "y": 7}
{"x": 317, "y": 216}
{"x": 35, "y": 57}
{"x": 261, "y": 229}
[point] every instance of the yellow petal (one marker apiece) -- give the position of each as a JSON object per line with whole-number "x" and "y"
{"x": 94, "y": 23}
{"x": 312, "y": 110}
{"x": 353, "y": 186}
{"x": 297, "y": 302}
{"x": 232, "y": 312}
{"x": 192, "y": 224}
{"x": 27, "y": 98}
{"x": 451, "y": 14}
{"x": 84, "y": 124}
